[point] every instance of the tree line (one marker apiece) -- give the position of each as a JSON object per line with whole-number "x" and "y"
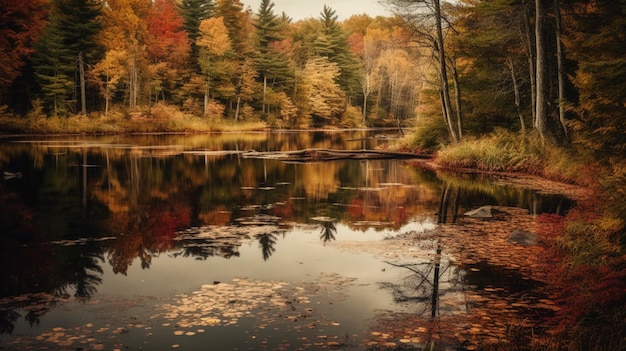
{"x": 210, "y": 58}
{"x": 460, "y": 68}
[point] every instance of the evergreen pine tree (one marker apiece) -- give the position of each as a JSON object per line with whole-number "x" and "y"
{"x": 68, "y": 42}
{"x": 333, "y": 43}
{"x": 271, "y": 65}
{"x": 194, "y": 12}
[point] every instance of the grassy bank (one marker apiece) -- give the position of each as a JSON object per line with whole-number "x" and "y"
{"x": 159, "y": 119}
{"x": 508, "y": 152}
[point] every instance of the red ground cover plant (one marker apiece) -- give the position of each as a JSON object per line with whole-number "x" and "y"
{"x": 586, "y": 268}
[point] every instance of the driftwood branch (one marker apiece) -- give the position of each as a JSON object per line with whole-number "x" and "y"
{"x": 317, "y": 155}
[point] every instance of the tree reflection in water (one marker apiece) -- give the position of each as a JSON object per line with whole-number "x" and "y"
{"x": 426, "y": 284}
{"x": 328, "y": 231}
{"x": 267, "y": 242}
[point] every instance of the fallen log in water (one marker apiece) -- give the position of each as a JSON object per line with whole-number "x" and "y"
{"x": 318, "y": 155}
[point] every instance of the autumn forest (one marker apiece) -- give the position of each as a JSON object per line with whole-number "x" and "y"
{"x": 519, "y": 65}
{"x": 530, "y": 87}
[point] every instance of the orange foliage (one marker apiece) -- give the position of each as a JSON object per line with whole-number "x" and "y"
{"x": 169, "y": 41}
{"x": 218, "y": 216}
{"x": 357, "y": 43}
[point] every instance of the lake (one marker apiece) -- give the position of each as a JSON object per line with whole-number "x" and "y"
{"x": 160, "y": 242}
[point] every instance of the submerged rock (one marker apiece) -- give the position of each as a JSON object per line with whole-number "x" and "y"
{"x": 522, "y": 237}
{"x": 483, "y": 212}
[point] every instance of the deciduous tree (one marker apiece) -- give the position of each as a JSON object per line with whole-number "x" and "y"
{"x": 214, "y": 43}
{"x": 326, "y": 101}
{"x": 168, "y": 47}
{"x": 126, "y": 31}
{"x": 425, "y": 19}
{"x": 21, "y": 25}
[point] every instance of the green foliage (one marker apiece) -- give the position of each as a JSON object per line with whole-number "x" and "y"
{"x": 332, "y": 42}
{"x": 194, "y": 12}
{"x": 70, "y": 32}
{"x": 273, "y": 66}
{"x": 430, "y": 136}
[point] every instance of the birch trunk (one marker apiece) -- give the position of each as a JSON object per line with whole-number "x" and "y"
{"x": 560, "y": 69}
{"x": 443, "y": 74}
{"x": 543, "y": 89}
{"x": 516, "y": 92}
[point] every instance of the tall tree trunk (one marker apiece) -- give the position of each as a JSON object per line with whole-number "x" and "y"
{"x": 206, "y": 95}
{"x": 81, "y": 71}
{"x": 560, "y": 69}
{"x": 530, "y": 56}
{"x": 133, "y": 84}
{"x": 264, "y": 90}
{"x": 443, "y": 74}
{"x": 237, "y": 108}
{"x": 366, "y": 85}
{"x": 107, "y": 96}
{"x": 457, "y": 99}
{"x": 516, "y": 92}
{"x": 542, "y": 71}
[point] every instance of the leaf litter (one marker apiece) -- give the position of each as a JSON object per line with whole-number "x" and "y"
{"x": 503, "y": 293}
{"x": 274, "y": 305}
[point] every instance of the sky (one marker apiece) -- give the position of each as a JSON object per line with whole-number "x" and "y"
{"x": 301, "y": 9}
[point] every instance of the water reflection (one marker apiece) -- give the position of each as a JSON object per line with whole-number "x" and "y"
{"x": 328, "y": 231}
{"x": 83, "y": 204}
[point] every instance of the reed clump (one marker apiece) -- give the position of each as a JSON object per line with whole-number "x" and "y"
{"x": 504, "y": 151}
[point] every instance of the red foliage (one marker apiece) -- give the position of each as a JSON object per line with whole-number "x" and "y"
{"x": 284, "y": 211}
{"x": 588, "y": 289}
{"x": 166, "y": 221}
{"x": 169, "y": 42}
{"x": 584, "y": 289}
{"x": 551, "y": 225}
{"x": 356, "y": 209}
{"x": 21, "y": 24}
{"x": 357, "y": 43}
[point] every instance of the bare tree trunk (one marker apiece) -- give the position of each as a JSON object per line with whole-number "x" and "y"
{"x": 237, "y": 108}
{"x": 543, "y": 89}
{"x": 457, "y": 99}
{"x": 516, "y": 92}
{"x": 530, "y": 56}
{"x": 81, "y": 71}
{"x": 443, "y": 74}
{"x": 560, "y": 70}
{"x": 133, "y": 84}
{"x": 367, "y": 89}
{"x": 264, "y": 91}
{"x": 107, "y": 97}
{"x": 206, "y": 96}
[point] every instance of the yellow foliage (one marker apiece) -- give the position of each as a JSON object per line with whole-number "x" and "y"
{"x": 214, "y": 36}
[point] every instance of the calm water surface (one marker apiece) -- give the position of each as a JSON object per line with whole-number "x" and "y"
{"x": 158, "y": 242}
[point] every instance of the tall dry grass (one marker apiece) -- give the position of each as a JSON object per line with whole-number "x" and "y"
{"x": 504, "y": 151}
{"x": 158, "y": 119}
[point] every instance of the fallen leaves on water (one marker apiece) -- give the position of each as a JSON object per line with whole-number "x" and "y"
{"x": 504, "y": 297}
{"x": 271, "y": 301}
